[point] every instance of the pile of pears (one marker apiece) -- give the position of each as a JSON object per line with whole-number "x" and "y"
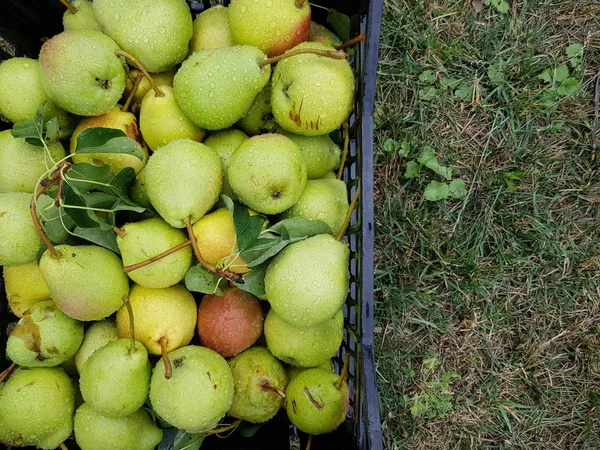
{"x": 110, "y": 349}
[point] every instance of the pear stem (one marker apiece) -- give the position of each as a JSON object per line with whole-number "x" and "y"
{"x": 309, "y": 443}
{"x": 300, "y": 3}
{"x": 136, "y": 62}
{"x": 133, "y": 267}
{"x": 120, "y": 231}
{"x": 131, "y": 328}
{"x": 344, "y": 154}
{"x": 138, "y": 80}
{"x": 233, "y": 426}
{"x": 344, "y": 374}
{"x": 361, "y": 37}
{"x": 62, "y": 446}
{"x": 44, "y": 185}
{"x": 70, "y": 7}
{"x": 163, "y": 351}
{"x": 278, "y": 391}
{"x": 6, "y": 373}
{"x": 349, "y": 214}
{"x": 223, "y": 273}
{"x": 315, "y": 51}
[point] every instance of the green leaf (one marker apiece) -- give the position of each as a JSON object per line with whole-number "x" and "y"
{"x": 250, "y": 429}
{"x": 54, "y": 221}
{"x": 427, "y": 77}
{"x": 103, "y": 238}
{"x": 52, "y": 130}
{"x": 199, "y": 279}
{"x": 30, "y": 129}
{"x": 247, "y": 227}
{"x": 412, "y": 169}
{"x": 457, "y": 188}
{"x": 561, "y": 73}
{"x": 436, "y": 191}
{"x": 574, "y": 49}
{"x": 450, "y": 83}
{"x": 106, "y": 140}
{"x": 546, "y": 76}
{"x": 568, "y": 87}
{"x": 429, "y": 160}
{"x": 187, "y": 441}
{"x": 390, "y": 145}
{"x": 121, "y": 185}
{"x": 496, "y": 73}
{"x": 427, "y": 93}
{"x": 404, "y": 149}
{"x": 340, "y": 24}
{"x": 80, "y": 215}
{"x": 254, "y": 281}
{"x": 465, "y": 91}
{"x": 86, "y": 176}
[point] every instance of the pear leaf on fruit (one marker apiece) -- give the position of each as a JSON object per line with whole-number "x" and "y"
{"x": 36, "y": 130}
{"x": 106, "y": 140}
{"x": 199, "y": 279}
{"x": 174, "y": 439}
{"x": 340, "y": 23}
{"x": 254, "y": 281}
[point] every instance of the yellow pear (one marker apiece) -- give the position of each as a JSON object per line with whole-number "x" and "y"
{"x": 24, "y": 286}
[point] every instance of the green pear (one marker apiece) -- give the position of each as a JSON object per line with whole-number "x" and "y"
{"x": 319, "y": 33}
{"x": 199, "y": 393}
{"x": 225, "y": 142}
{"x": 138, "y": 190}
{"x": 211, "y": 29}
{"x": 93, "y": 431}
{"x": 83, "y": 19}
{"x": 21, "y": 90}
{"x": 23, "y": 164}
{"x": 274, "y": 26}
{"x": 163, "y": 317}
{"x": 20, "y": 241}
{"x": 148, "y": 238}
{"x": 260, "y": 381}
{"x": 24, "y": 287}
{"x": 44, "y": 337}
{"x": 216, "y": 87}
{"x": 259, "y": 118}
{"x": 308, "y": 281}
{"x": 312, "y": 95}
{"x": 96, "y": 336}
{"x": 304, "y": 346}
{"x": 163, "y": 121}
{"x": 315, "y": 404}
{"x": 183, "y": 180}
{"x": 87, "y": 282}
{"x": 116, "y": 378}
{"x": 87, "y": 86}
{"x": 157, "y": 32}
{"x": 160, "y": 79}
{"x": 119, "y": 120}
{"x": 294, "y": 371}
{"x": 329, "y": 175}
{"x": 36, "y": 408}
{"x": 267, "y": 173}
{"x": 321, "y": 154}
{"x": 322, "y": 199}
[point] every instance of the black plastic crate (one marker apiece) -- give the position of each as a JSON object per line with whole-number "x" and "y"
{"x": 23, "y": 26}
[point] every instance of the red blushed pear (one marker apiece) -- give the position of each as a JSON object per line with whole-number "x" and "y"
{"x": 273, "y": 26}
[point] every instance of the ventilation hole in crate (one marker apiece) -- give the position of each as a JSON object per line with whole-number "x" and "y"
{"x": 353, "y": 267}
{"x": 352, "y": 315}
{"x": 353, "y": 243}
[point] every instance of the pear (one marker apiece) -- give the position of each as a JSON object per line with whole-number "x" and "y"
{"x": 163, "y": 317}
{"x": 163, "y": 121}
{"x": 315, "y": 404}
{"x": 224, "y": 143}
{"x": 120, "y": 120}
{"x": 183, "y": 180}
{"x": 294, "y": 371}
{"x": 138, "y": 190}
{"x": 44, "y": 337}
{"x": 231, "y": 322}
{"x": 136, "y": 431}
{"x": 36, "y": 408}
{"x": 87, "y": 282}
{"x": 160, "y": 79}
{"x": 199, "y": 393}
{"x": 23, "y": 164}
{"x": 304, "y": 346}
{"x": 96, "y": 336}
{"x": 116, "y": 378}
{"x": 84, "y": 86}
{"x": 217, "y": 241}
{"x": 216, "y": 87}
{"x": 329, "y": 175}
{"x": 312, "y": 95}
{"x": 319, "y": 33}
{"x": 21, "y": 90}
{"x": 321, "y": 154}
{"x": 267, "y": 173}
{"x": 148, "y": 238}
{"x": 273, "y": 26}
{"x": 260, "y": 381}
{"x": 83, "y": 19}
{"x": 259, "y": 118}
{"x": 20, "y": 241}
{"x": 323, "y": 199}
{"x": 24, "y": 287}
{"x": 211, "y": 29}
{"x": 157, "y": 32}
{"x": 308, "y": 281}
